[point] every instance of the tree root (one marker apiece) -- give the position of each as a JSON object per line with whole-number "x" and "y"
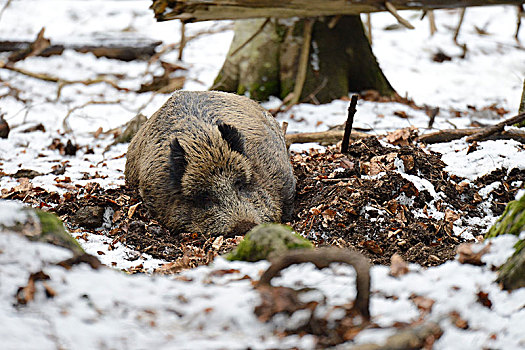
{"x": 322, "y": 258}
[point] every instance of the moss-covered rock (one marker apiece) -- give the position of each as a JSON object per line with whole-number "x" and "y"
{"x": 36, "y": 225}
{"x": 266, "y": 241}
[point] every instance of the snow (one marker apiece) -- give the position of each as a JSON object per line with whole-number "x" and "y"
{"x": 107, "y": 308}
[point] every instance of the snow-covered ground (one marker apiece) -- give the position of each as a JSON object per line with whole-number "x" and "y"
{"x": 109, "y": 309}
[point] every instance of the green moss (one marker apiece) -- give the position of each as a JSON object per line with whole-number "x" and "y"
{"x": 512, "y": 221}
{"x": 266, "y": 241}
{"x": 52, "y": 231}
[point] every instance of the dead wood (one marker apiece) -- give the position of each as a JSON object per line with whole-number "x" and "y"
{"x": 322, "y": 258}
{"x": 490, "y": 130}
{"x": 201, "y": 10}
{"x": 325, "y": 137}
{"x": 456, "y": 134}
{"x": 128, "y": 50}
{"x": 348, "y": 125}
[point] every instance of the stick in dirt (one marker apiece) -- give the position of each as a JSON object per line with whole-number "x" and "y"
{"x": 348, "y": 126}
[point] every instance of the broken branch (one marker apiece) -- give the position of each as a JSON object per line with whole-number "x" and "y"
{"x": 456, "y": 134}
{"x": 348, "y": 125}
{"x": 393, "y": 11}
{"x": 490, "y": 130}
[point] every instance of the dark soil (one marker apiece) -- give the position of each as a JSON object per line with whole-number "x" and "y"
{"x": 341, "y": 201}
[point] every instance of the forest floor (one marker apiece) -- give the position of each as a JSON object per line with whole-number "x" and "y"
{"x": 387, "y": 195}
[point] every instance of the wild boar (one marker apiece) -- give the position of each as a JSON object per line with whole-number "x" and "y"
{"x": 212, "y": 162}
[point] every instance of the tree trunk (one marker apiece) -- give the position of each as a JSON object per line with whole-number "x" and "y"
{"x": 340, "y": 60}
{"x": 522, "y": 106}
{"x": 512, "y": 273}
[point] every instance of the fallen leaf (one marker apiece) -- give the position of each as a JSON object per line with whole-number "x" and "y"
{"x": 483, "y": 299}
{"x": 398, "y": 267}
{"x": 457, "y": 320}
{"x": 424, "y": 304}
{"x": 467, "y": 256}
{"x": 132, "y": 210}
{"x": 373, "y": 247}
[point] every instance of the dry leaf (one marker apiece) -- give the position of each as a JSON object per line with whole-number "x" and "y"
{"x": 467, "y": 256}
{"x": 424, "y": 304}
{"x": 132, "y": 210}
{"x": 398, "y": 267}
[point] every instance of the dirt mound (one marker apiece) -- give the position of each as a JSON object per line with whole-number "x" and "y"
{"x": 377, "y": 199}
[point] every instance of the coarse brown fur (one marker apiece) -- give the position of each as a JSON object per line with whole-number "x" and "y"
{"x": 212, "y": 162}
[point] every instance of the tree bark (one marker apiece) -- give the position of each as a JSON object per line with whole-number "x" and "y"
{"x": 340, "y": 60}
{"x": 204, "y": 10}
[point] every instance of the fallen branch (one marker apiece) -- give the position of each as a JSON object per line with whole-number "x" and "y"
{"x": 322, "y": 258}
{"x": 124, "y": 51}
{"x": 61, "y": 82}
{"x": 326, "y": 137}
{"x": 205, "y": 10}
{"x": 448, "y": 135}
{"x": 490, "y": 130}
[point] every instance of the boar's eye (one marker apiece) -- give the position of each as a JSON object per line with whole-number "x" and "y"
{"x": 233, "y": 137}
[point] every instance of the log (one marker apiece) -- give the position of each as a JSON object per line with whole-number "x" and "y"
{"x": 124, "y": 50}
{"x": 204, "y": 10}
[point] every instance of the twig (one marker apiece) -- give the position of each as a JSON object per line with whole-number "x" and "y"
{"x": 456, "y": 33}
{"x": 458, "y": 28}
{"x": 65, "y": 124}
{"x": 348, "y": 125}
{"x": 518, "y": 23}
{"x": 322, "y": 258}
{"x": 486, "y": 132}
{"x": 257, "y": 32}
{"x": 333, "y": 22}
{"x": 393, "y": 11}
{"x": 61, "y": 82}
{"x": 303, "y": 61}
{"x": 432, "y": 22}
{"x": 182, "y": 39}
{"x": 284, "y": 128}
{"x": 6, "y": 5}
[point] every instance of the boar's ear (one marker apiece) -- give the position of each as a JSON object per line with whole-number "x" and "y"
{"x": 178, "y": 162}
{"x": 233, "y": 137}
